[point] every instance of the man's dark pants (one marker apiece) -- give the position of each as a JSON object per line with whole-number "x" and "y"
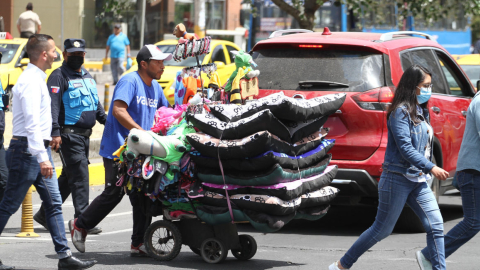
{"x": 3, "y": 167}
{"x": 102, "y": 205}
{"x": 74, "y": 178}
{"x": 26, "y": 34}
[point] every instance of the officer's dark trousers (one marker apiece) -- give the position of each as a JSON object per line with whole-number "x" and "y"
{"x": 102, "y": 205}
{"x": 3, "y": 167}
{"x": 74, "y": 178}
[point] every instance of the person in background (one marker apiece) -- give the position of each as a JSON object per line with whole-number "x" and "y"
{"x": 28, "y": 22}
{"x": 468, "y": 183}
{"x": 3, "y": 164}
{"x": 73, "y": 120}
{"x": 116, "y": 44}
{"x": 136, "y": 98}
{"x": 406, "y": 171}
{"x": 29, "y": 158}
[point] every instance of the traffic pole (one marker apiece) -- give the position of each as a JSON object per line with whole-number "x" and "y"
{"x": 27, "y": 217}
{"x": 106, "y": 97}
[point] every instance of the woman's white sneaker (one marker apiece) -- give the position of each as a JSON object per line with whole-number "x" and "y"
{"x": 422, "y": 261}
{"x": 334, "y": 266}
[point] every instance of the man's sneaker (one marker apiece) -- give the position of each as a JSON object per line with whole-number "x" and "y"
{"x": 334, "y": 266}
{"x": 78, "y": 236}
{"x": 139, "y": 251}
{"x": 40, "y": 219}
{"x": 422, "y": 261}
{"x": 95, "y": 230}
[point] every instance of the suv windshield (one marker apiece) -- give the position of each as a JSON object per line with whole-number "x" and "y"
{"x": 294, "y": 69}
{"x": 7, "y": 56}
{"x": 191, "y": 61}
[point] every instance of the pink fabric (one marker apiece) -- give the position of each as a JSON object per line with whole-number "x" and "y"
{"x": 178, "y": 213}
{"x": 167, "y": 117}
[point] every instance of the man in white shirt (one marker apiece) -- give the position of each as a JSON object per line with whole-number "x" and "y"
{"x": 29, "y": 157}
{"x": 28, "y": 21}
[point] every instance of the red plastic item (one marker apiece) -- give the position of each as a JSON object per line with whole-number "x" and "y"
{"x": 326, "y": 31}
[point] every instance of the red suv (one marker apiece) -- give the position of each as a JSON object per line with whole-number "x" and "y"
{"x": 367, "y": 66}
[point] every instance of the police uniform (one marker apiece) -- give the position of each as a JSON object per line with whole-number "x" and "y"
{"x": 75, "y": 110}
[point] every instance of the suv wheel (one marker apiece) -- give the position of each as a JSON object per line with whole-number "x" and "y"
{"x": 408, "y": 220}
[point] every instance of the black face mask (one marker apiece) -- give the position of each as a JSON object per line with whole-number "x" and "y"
{"x": 75, "y": 62}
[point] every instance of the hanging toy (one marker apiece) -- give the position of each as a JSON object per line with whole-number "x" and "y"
{"x": 180, "y": 32}
{"x": 166, "y": 148}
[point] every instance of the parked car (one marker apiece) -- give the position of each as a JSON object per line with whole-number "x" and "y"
{"x": 367, "y": 66}
{"x": 219, "y": 54}
{"x": 470, "y": 63}
{"x": 15, "y": 60}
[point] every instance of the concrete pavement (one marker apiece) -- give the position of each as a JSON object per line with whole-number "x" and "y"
{"x": 300, "y": 245}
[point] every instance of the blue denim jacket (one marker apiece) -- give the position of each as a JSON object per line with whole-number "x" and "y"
{"x": 406, "y": 144}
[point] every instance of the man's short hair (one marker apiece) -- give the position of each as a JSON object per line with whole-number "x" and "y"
{"x": 140, "y": 66}
{"x": 36, "y": 45}
{"x": 29, "y": 6}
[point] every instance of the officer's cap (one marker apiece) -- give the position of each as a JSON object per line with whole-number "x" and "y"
{"x": 117, "y": 25}
{"x": 74, "y": 45}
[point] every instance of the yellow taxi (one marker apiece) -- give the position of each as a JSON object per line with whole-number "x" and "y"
{"x": 15, "y": 60}
{"x": 470, "y": 63}
{"x": 219, "y": 54}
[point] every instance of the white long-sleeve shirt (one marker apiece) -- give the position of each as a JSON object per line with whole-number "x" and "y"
{"x": 32, "y": 117}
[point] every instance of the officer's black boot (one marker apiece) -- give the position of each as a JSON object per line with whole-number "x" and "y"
{"x": 39, "y": 217}
{"x": 5, "y": 267}
{"x": 74, "y": 263}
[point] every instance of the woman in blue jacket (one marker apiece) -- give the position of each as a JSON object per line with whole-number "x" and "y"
{"x": 406, "y": 171}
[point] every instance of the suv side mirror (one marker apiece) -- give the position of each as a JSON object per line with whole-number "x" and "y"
{"x": 219, "y": 64}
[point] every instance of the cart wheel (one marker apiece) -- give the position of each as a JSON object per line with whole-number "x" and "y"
{"x": 163, "y": 240}
{"x": 248, "y": 248}
{"x": 195, "y": 250}
{"x": 213, "y": 251}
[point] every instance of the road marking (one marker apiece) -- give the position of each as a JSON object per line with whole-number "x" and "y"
{"x": 109, "y": 216}
{"x": 113, "y": 232}
{"x": 26, "y": 239}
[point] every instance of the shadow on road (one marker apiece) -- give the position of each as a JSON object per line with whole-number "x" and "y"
{"x": 349, "y": 221}
{"x": 187, "y": 260}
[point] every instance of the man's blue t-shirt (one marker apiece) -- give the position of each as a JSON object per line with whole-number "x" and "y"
{"x": 142, "y": 100}
{"x": 117, "y": 45}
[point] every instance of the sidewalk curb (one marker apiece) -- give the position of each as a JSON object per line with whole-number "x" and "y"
{"x": 96, "y": 174}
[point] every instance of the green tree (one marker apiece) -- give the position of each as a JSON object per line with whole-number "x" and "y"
{"x": 430, "y": 10}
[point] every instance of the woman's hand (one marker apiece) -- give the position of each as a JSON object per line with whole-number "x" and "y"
{"x": 439, "y": 173}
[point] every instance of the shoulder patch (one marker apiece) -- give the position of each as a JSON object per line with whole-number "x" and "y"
{"x": 55, "y": 89}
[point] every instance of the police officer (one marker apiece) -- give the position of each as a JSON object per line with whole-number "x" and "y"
{"x": 75, "y": 110}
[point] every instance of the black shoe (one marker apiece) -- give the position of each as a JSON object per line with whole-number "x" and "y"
{"x": 74, "y": 263}
{"x": 5, "y": 267}
{"x": 95, "y": 230}
{"x": 40, "y": 219}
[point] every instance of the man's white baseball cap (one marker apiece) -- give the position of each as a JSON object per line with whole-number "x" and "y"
{"x": 152, "y": 52}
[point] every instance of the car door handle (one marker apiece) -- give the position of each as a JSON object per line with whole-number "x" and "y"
{"x": 464, "y": 113}
{"x": 435, "y": 109}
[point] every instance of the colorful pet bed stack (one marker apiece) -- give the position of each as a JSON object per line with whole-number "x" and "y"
{"x": 265, "y": 162}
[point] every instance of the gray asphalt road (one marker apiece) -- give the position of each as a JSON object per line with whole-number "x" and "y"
{"x": 300, "y": 245}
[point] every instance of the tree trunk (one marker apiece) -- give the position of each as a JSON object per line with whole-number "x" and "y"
{"x": 305, "y": 20}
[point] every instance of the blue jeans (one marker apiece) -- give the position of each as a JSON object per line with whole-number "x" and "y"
{"x": 394, "y": 190}
{"x": 24, "y": 171}
{"x": 469, "y": 185}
